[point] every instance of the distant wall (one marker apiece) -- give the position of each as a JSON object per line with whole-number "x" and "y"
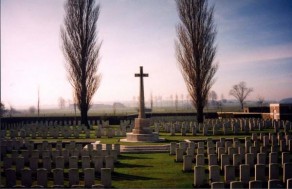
{"x": 115, "y": 120}
{"x": 264, "y": 109}
{"x": 244, "y": 115}
{"x": 281, "y": 111}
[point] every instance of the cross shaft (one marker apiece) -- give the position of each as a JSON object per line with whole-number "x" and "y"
{"x": 141, "y": 103}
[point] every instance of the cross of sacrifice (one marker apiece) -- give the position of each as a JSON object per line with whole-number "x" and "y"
{"x": 141, "y": 104}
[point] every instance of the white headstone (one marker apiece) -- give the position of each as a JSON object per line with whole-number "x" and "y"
{"x": 224, "y": 161}
{"x": 287, "y": 173}
{"x": 172, "y": 148}
{"x": 59, "y": 162}
{"x": 260, "y": 172}
{"x": 236, "y": 184}
{"x": 244, "y": 173}
{"x": 217, "y": 185}
{"x": 58, "y": 175}
{"x": 199, "y": 176}
{"x": 229, "y": 173}
{"x": 261, "y": 158}
{"x": 274, "y": 184}
{"x": 85, "y": 162}
{"x": 179, "y": 155}
{"x": 47, "y": 163}
{"x": 212, "y": 159}
{"x": 10, "y": 177}
{"x": 273, "y": 171}
{"x": 255, "y": 184}
{"x": 89, "y": 177}
{"x": 214, "y": 173}
{"x": 26, "y": 179}
{"x": 187, "y": 163}
{"x": 200, "y": 160}
{"x": 109, "y": 162}
{"x": 98, "y": 163}
{"x": 106, "y": 177}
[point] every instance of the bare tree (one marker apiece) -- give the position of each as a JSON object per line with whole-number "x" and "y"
{"x": 176, "y": 102}
{"x": 2, "y": 109}
{"x": 12, "y": 111}
{"x": 156, "y": 101}
{"x": 38, "y": 102}
{"x": 32, "y": 109}
{"x": 261, "y": 100}
{"x": 213, "y": 96}
{"x": 114, "y": 108}
{"x": 171, "y": 100}
{"x": 195, "y": 50}
{"x": 151, "y": 101}
{"x": 81, "y": 51}
{"x": 75, "y": 105}
{"x": 61, "y": 102}
{"x": 240, "y": 92}
{"x": 223, "y": 100}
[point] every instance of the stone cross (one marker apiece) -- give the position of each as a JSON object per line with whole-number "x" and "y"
{"x": 141, "y": 104}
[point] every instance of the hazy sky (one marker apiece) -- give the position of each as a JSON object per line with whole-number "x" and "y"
{"x": 254, "y": 44}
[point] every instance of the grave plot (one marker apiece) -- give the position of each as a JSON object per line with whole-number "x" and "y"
{"x": 30, "y": 164}
{"x": 258, "y": 161}
{"x": 258, "y": 155}
{"x": 55, "y": 131}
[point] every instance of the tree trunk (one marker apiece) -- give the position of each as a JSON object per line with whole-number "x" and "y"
{"x": 241, "y": 104}
{"x": 200, "y": 114}
{"x": 84, "y": 116}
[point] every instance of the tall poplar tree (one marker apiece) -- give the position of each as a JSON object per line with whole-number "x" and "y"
{"x": 195, "y": 50}
{"x": 81, "y": 51}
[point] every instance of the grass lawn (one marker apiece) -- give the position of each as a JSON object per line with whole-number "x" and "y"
{"x": 152, "y": 170}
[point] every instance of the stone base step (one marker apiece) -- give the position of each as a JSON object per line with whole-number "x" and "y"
{"x": 145, "y": 148}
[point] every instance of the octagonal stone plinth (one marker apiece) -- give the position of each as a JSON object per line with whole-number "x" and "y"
{"x": 132, "y": 137}
{"x": 142, "y": 132}
{"x": 142, "y": 126}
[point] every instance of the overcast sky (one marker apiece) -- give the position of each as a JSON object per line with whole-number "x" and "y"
{"x": 254, "y": 44}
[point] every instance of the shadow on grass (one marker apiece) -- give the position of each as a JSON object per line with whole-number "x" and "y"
{"x": 126, "y": 157}
{"x": 121, "y": 176}
{"x": 126, "y": 165}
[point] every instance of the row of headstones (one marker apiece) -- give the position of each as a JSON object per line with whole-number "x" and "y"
{"x": 173, "y": 119}
{"x": 64, "y": 133}
{"x": 205, "y": 129}
{"x": 252, "y": 145}
{"x": 265, "y": 123}
{"x": 225, "y": 159}
{"x": 7, "y": 145}
{"x": 236, "y": 160}
{"x": 95, "y": 158}
{"x": 110, "y": 133}
{"x": 19, "y": 125}
{"x": 229, "y": 170}
{"x": 42, "y": 178}
{"x": 250, "y": 158}
{"x": 125, "y": 123}
{"x": 44, "y": 131}
{"x": 200, "y": 177}
{"x": 225, "y": 127}
{"x": 225, "y": 147}
{"x": 16, "y": 144}
{"x": 10, "y": 145}
{"x": 29, "y": 149}
{"x": 95, "y": 162}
